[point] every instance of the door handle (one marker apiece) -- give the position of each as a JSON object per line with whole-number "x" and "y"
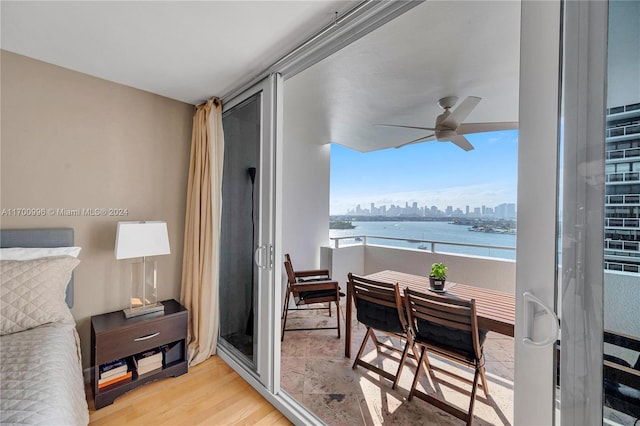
{"x": 263, "y": 257}
{"x": 554, "y": 330}
{"x": 257, "y": 258}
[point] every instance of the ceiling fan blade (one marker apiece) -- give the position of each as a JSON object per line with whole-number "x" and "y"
{"x": 458, "y": 115}
{"x": 407, "y": 127}
{"x": 462, "y": 142}
{"x": 466, "y": 128}
{"x": 422, "y": 139}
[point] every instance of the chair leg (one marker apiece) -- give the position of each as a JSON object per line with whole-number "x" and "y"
{"x": 329, "y": 309}
{"x": 364, "y": 343}
{"x": 337, "y": 315}
{"x": 417, "y": 376}
{"x": 426, "y": 359}
{"x": 286, "y": 303}
{"x": 284, "y": 323}
{"x": 403, "y": 358}
{"x": 473, "y": 396}
{"x": 375, "y": 341}
{"x": 483, "y": 377}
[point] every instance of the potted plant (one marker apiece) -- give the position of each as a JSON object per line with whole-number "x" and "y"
{"x": 438, "y": 276}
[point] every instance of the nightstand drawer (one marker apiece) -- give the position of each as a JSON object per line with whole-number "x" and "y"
{"x": 140, "y": 337}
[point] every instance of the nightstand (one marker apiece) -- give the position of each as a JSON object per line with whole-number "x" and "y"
{"x": 114, "y": 337}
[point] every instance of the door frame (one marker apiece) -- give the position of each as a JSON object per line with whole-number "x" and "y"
{"x": 536, "y": 261}
{"x": 562, "y": 104}
{"x": 581, "y": 278}
{"x": 269, "y": 90}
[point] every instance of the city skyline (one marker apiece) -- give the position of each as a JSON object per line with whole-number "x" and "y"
{"x": 428, "y": 173}
{"x": 501, "y": 211}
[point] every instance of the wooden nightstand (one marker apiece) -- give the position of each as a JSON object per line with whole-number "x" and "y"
{"x": 114, "y": 337}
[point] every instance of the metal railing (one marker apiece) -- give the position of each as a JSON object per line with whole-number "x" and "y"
{"x": 622, "y": 245}
{"x": 622, "y": 199}
{"x": 618, "y": 154}
{"x": 427, "y": 245}
{"x": 623, "y": 177}
{"x": 622, "y": 223}
{"x": 623, "y": 267}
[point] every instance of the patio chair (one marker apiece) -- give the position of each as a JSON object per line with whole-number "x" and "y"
{"x": 448, "y": 328}
{"x": 621, "y": 379}
{"x": 309, "y": 287}
{"x": 379, "y": 307}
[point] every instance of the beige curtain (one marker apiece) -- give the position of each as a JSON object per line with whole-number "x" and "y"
{"x": 201, "y": 258}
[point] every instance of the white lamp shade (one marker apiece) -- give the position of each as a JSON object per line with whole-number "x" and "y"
{"x": 139, "y": 239}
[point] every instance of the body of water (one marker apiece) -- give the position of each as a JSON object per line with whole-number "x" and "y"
{"x": 430, "y": 231}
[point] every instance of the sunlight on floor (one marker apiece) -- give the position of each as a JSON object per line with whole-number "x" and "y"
{"x": 315, "y": 371}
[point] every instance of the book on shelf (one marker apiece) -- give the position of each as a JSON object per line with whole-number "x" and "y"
{"x": 144, "y": 369}
{"x": 113, "y": 368}
{"x": 149, "y": 357}
{"x": 118, "y": 380}
{"x": 112, "y": 377}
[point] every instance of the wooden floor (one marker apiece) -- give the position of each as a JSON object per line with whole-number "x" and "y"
{"x": 211, "y": 393}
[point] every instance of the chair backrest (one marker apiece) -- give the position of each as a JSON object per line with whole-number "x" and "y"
{"x": 291, "y": 276}
{"x": 444, "y": 322}
{"x": 378, "y": 304}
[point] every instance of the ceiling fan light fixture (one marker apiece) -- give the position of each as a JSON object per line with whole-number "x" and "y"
{"x": 445, "y": 135}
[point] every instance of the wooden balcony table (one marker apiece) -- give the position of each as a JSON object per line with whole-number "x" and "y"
{"x": 496, "y": 310}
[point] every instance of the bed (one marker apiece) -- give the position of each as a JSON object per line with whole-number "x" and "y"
{"x": 41, "y": 380}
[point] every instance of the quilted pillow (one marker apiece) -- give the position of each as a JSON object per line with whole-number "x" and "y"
{"x": 32, "y": 292}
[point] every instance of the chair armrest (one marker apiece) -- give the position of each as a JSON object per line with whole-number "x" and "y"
{"x": 312, "y": 273}
{"x": 621, "y": 374}
{"x": 623, "y": 340}
{"x": 316, "y": 285}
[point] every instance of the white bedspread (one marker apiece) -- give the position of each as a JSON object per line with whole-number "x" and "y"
{"x": 41, "y": 377}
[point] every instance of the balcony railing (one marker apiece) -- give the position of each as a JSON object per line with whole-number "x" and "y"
{"x": 622, "y": 199}
{"x": 630, "y": 129}
{"x": 623, "y": 177}
{"x": 619, "y": 154}
{"x": 621, "y": 245}
{"x": 622, "y": 223}
{"x": 623, "y": 267}
{"x": 501, "y": 252}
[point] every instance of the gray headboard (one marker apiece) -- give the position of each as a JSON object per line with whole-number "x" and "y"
{"x": 41, "y": 237}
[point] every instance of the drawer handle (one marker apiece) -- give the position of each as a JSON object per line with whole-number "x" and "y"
{"x": 147, "y": 337}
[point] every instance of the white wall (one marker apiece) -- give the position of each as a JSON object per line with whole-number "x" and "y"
{"x": 494, "y": 274}
{"x": 344, "y": 260}
{"x": 621, "y": 296}
{"x": 305, "y": 185}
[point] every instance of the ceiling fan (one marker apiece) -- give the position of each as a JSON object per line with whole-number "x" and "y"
{"x": 450, "y": 127}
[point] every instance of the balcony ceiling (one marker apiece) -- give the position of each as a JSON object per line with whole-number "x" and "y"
{"x": 190, "y": 51}
{"x": 396, "y": 74}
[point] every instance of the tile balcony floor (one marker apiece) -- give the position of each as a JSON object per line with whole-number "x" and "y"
{"x": 316, "y": 373}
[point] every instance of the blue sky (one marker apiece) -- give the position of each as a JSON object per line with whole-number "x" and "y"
{"x": 429, "y": 173}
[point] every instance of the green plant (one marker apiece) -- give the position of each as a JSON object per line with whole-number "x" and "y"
{"x": 438, "y": 271}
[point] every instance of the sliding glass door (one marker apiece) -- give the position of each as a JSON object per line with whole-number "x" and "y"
{"x": 559, "y": 282}
{"x": 246, "y": 263}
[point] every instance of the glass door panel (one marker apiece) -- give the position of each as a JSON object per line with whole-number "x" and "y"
{"x": 247, "y": 318}
{"x": 621, "y": 371}
{"x": 238, "y": 271}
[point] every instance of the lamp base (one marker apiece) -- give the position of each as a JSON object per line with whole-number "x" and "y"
{"x": 156, "y": 308}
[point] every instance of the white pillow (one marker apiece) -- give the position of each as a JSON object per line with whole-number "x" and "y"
{"x": 32, "y": 292}
{"x": 23, "y": 253}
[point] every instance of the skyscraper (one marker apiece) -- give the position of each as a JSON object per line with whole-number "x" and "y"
{"x": 622, "y": 199}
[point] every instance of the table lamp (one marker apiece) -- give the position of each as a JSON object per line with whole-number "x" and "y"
{"x": 142, "y": 239}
